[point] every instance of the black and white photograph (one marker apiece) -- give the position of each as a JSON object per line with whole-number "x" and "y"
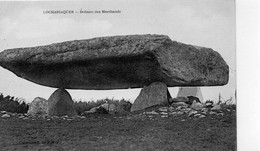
{"x": 118, "y": 75}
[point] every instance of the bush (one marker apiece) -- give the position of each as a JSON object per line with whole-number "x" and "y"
{"x": 85, "y": 106}
{"x": 11, "y": 104}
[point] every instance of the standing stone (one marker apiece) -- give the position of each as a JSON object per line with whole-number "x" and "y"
{"x": 60, "y": 103}
{"x": 155, "y": 94}
{"x": 38, "y": 107}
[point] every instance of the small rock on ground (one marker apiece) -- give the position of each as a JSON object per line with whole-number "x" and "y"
{"x": 216, "y": 107}
{"x": 204, "y": 110}
{"x": 202, "y": 116}
{"x": 197, "y": 115}
{"x": 163, "y": 116}
{"x": 6, "y": 115}
{"x": 197, "y": 105}
{"x": 211, "y": 112}
{"x": 152, "y": 112}
{"x": 163, "y": 109}
{"x": 164, "y": 113}
{"x": 192, "y": 113}
{"x": 222, "y": 114}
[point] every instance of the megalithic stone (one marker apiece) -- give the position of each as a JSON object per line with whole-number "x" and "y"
{"x": 117, "y": 62}
{"x": 60, "y": 103}
{"x": 155, "y": 94}
{"x": 38, "y": 107}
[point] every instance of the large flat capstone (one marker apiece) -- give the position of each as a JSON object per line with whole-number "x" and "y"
{"x": 117, "y": 62}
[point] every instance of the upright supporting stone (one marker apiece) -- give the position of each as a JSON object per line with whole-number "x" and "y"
{"x": 155, "y": 94}
{"x": 60, "y": 103}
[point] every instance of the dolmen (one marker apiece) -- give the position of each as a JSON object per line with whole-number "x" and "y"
{"x": 151, "y": 62}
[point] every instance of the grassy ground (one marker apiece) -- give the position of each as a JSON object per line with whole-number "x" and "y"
{"x": 135, "y": 131}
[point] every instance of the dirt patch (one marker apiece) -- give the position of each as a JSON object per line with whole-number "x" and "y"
{"x": 135, "y": 131}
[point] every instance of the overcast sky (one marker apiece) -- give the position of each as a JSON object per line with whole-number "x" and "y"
{"x": 208, "y": 23}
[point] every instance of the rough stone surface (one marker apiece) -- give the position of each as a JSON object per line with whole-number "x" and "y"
{"x": 197, "y": 105}
{"x": 155, "y": 94}
{"x": 60, "y": 103}
{"x": 117, "y": 62}
{"x": 38, "y": 106}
